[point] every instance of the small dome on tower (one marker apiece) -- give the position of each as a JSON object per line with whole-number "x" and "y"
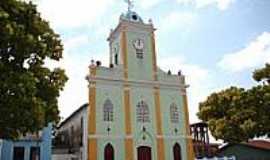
{"x": 131, "y": 16}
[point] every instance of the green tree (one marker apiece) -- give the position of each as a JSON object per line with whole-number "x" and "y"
{"x": 237, "y": 114}
{"x": 28, "y": 89}
{"x": 263, "y": 75}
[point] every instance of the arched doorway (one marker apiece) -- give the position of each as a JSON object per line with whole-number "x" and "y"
{"x": 177, "y": 152}
{"x": 144, "y": 153}
{"x": 108, "y": 152}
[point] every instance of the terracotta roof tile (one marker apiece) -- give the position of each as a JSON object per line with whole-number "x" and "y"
{"x": 260, "y": 144}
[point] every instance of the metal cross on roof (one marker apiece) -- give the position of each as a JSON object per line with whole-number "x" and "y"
{"x": 130, "y": 4}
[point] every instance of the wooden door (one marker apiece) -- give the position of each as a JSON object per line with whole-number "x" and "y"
{"x": 177, "y": 152}
{"x": 144, "y": 153}
{"x": 109, "y": 152}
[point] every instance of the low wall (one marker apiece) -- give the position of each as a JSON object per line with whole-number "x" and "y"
{"x": 64, "y": 157}
{"x": 218, "y": 158}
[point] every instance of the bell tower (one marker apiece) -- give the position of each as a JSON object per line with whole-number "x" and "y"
{"x": 132, "y": 47}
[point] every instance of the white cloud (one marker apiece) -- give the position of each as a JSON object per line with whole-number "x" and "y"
{"x": 70, "y": 14}
{"x": 197, "y": 77}
{"x": 149, "y": 3}
{"x": 76, "y": 42}
{"x": 254, "y": 54}
{"x": 224, "y": 4}
{"x": 220, "y": 4}
{"x": 178, "y": 21}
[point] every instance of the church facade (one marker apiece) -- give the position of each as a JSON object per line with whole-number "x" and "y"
{"x": 136, "y": 111}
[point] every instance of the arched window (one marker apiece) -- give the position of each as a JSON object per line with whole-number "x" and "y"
{"x": 108, "y": 152}
{"x": 108, "y": 111}
{"x": 177, "y": 152}
{"x": 174, "y": 114}
{"x": 116, "y": 59}
{"x": 142, "y": 112}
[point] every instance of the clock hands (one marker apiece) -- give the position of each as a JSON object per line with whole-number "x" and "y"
{"x": 138, "y": 44}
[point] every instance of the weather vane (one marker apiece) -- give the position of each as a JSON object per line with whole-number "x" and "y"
{"x": 130, "y": 4}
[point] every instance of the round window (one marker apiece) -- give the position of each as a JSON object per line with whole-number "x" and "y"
{"x": 134, "y": 17}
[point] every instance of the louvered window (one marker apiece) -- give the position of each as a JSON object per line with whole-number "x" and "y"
{"x": 108, "y": 111}
{"x": 142, "y": 112}
{"x": 174, "y": 114}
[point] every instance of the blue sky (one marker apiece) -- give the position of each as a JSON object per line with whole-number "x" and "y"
{"x": 216, "y": 43}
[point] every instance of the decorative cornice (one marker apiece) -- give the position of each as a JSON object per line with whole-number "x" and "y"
{"x": 132, "y": 136}
{"x": 138, "y": 82}
{"x": 124, "y": 25}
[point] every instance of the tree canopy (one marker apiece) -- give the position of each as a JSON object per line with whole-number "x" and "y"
{"x": 29, "y": 90}
{"x": 238, "y": 114}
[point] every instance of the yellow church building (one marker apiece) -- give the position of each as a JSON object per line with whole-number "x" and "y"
{"x": 136, "y": 111}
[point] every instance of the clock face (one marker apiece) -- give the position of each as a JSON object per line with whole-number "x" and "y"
{"x": 138, "y": 44}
